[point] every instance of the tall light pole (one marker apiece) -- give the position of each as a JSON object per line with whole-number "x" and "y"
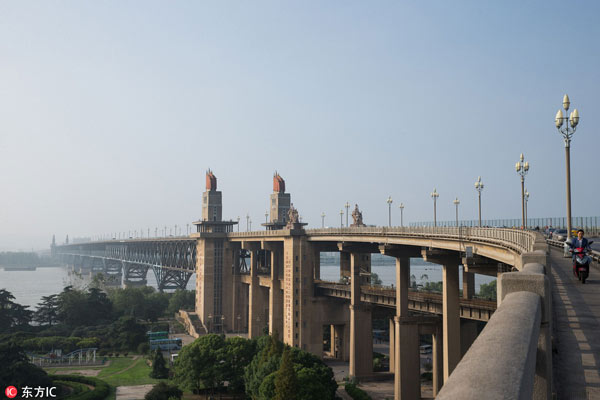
{"x": 526, "y": 200}
{"x": 389, "y": 201}
{"x": 522, "y": 168}
{"x": 238, "y": 224}
{"x": 479, "y": 188}
{"x": 250, "y": 224}
{"x": 347, "y": 205}
{"x": 341, "y": 218}
{"x": 266, "y": 221}
{"x": 567, "y": 133}
{"x": 247, "y": 222}
{"x": 456, "y": 203}
{"x": 401, "y": 207}
{"x": 434, "y": 196}
{"x": 323, "y": 220}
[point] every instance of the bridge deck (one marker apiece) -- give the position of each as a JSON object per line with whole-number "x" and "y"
{"x": 576, "y": 331}
{"x": 476, "y": 309}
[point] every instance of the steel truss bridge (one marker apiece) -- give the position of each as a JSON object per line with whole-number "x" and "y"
{"x": 173, "y": 260}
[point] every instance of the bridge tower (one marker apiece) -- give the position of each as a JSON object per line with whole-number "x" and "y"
{"x": 279, "y": 205}
{"x": 214, "y": 260}
{"x": 53, "y": 247}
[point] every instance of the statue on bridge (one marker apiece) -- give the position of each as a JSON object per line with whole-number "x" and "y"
{"x": 357, "y": 217}
{"x": 293, "y": 217}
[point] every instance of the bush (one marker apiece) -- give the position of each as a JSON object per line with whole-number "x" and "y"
{"x": 100, "y": 392}
{"x": 159, "y": 366}
{"x": 355, "y": 392}
{"x": 143, "y": 348}
{"x": 162, "y": 391}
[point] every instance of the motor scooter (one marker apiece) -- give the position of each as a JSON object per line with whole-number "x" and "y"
{"x": 581, "y": 263}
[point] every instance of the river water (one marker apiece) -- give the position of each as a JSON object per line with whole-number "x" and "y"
{"x": 29, "y": 287}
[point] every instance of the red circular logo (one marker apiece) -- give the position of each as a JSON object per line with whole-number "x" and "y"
{"x": 11, "y": 392}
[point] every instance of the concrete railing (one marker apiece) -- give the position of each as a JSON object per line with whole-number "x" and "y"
{"x": 489, "y": 370}
{"x": 516, "y": 239}
{"x": 512, "y": 357}
{"x": 186, "y": 320}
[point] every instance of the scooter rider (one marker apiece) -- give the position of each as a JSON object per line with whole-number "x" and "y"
{"x": 578, "y": 242}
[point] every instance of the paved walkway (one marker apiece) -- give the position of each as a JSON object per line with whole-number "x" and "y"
{"x": 576, "y": 331}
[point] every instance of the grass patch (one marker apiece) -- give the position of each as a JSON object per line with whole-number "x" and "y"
{"x": 137, "y": 374}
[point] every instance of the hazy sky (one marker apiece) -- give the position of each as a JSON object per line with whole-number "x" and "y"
{"x": 111, "y": 112}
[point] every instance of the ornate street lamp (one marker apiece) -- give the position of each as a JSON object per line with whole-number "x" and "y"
{"x": 434, "y": 196}
{"x": 456, "y": 203}
{"x": 401, "y": 207}
{"x": 323, "y": 220}
{"x": 522, "y": 168}
{"x": 479, "y": 188}
{"x": 389, "y": 201}
{"x": 347, "y": 205}
{"x": 567, "y": 132}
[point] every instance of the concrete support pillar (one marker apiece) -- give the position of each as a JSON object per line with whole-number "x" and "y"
{"x": 361, "y": 332}
{"x": 344, "y": 264}
{"x": 275, "y": 295}
{"x": 392, "y": 351}
{"x": 342, "y": 342}
{"x": 468, "y": 284}
{"x": 451, "y": 317}
{"x": 407, "y": 384}
{"x": 468, "y": 334}
{"x": 254, "y": 307}
{"x": 438, "y": 361}
{"x": 361, "y": 341}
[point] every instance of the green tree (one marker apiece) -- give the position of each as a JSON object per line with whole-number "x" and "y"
{"x": 159, "y": 366}
{"x": 200, "y": 364}
{"x": 16, "y": 369}
{"x": 433, "y": 287}
{"x": 261, "y": 366}
{"x": 126, "y": 334}
{"x": 156, "y": 305}
{"x": 239, "y": 353}
{"x": 375, "y": 280}
{"x": 488, "y": 290}
{"x": 163, "y": 391}
{"x": 181, "y": 300}
{"x": 286, "y": 383}
{"x": 47, "y": 310}
{"x": 12, "y": 315}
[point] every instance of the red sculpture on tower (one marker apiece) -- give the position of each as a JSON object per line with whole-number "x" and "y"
{"x": 278, "y": 183}
{"x": 211, "y": 181}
